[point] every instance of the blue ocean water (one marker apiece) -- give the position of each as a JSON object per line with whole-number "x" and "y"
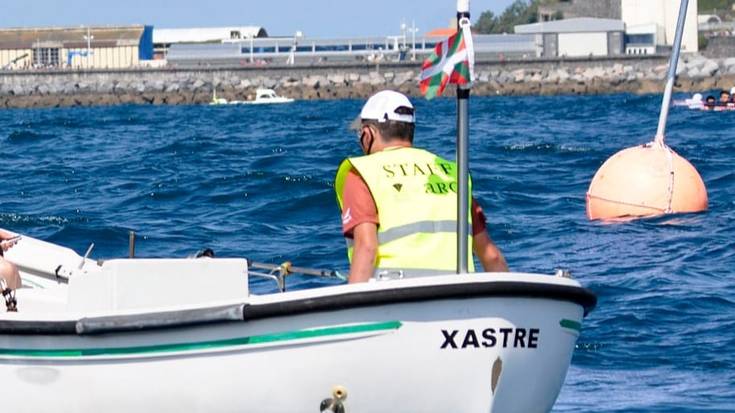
{"x": 257, "y": 182}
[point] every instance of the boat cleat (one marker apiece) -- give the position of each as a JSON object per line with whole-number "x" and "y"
{"x": 384, "y": 275}
{"x": 335, "y": 404}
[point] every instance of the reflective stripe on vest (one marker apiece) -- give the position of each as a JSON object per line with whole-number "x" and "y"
{"x": 414, "y": 228}
{"x": 415, "y": 194}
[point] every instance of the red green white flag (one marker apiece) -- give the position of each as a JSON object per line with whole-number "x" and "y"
{"x": 452, "y": 61}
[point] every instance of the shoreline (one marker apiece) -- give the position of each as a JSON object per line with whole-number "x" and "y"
{"x": 195, "y": 85}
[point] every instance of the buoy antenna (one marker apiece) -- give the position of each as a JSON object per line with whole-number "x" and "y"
{"x": 676, "y": 49}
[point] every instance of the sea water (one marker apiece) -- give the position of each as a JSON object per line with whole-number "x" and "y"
{"x": 257, "y": 182}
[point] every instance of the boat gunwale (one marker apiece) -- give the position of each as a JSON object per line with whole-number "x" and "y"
{"x": 245, "y": 311}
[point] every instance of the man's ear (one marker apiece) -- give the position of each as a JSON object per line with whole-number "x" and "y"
{"x": 374, "y": 132}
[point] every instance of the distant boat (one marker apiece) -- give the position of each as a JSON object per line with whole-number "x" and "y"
{"x": 262, "y": 96}
{"x": 217, "y": 101}
{"x": 697, "y": 103}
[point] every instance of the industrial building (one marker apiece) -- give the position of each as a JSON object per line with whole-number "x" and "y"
{"x": 577, "y": 37}
{"x": 654, "y": 22}
{"x": 642, "y": 40}
{"x": 638, "y": 28}
{"x": 300, "y": 50}
{"x": 163, "y": 39}
{"x": 79, "y": 47}
{"x": 649, "y": 24}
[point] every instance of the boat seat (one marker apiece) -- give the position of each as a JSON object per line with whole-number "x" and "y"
{"x": 130, "y": 284}
{"x": 51, "y": 300}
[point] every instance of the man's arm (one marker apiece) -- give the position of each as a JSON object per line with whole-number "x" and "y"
{"x": 365, "y": 250}
{"x": 489, "y": 254}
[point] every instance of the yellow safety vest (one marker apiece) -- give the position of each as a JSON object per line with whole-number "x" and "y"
{"x": 415, "y": 193}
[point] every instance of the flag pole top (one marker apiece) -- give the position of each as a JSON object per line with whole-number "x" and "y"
{"x": 463, "y": 6}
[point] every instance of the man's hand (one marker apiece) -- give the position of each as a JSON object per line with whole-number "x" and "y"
{"x": 364, "y": 252}
{"x": 7, "y": 240}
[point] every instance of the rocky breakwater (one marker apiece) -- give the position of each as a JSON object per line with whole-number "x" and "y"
{"x": 168, "y": 86}
{"x": 695, "y": 74}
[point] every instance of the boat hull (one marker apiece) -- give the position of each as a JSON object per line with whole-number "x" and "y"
{"x": 503, "y": 354}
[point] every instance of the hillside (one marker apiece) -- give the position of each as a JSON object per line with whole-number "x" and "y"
{"x": 721, "y": 6}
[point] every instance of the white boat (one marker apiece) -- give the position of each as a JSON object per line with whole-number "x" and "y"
{"x": 267, "y": 96}
{"x": 186, "y": 335}
{"x": 262, "y": 97}
{"x": 695, "y": 102}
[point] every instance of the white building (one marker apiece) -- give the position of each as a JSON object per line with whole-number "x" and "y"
{"x": 164, "y": 38}
{"x": 641, "y": 39}
{"x": 98, "y": 47}
{"x": 578, "y": 37}
{"x": 658, "y": 18}
{"x": 206, "y": 34}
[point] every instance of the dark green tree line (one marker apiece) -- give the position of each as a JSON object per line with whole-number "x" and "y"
{"x": 708, "y": 6}
{"x": 519, "y": 12}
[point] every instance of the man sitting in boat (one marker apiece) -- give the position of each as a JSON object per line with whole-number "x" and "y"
{"x": 9, "y": 276}
{"x": 399, "y": 203}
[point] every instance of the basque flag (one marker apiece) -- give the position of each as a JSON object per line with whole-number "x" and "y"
{"x": 452, "y": 61}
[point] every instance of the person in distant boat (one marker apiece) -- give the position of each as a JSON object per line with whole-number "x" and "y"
{"x": 710, "y": 102}
{"x": 9, "y": 276}
{"x": 724, "y": 98}
{"x": 399, "y": 203}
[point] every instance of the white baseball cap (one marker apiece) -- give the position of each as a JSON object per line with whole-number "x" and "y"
{"x": 388, "y": 105}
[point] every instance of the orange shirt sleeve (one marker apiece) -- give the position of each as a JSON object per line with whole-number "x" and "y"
{"x": 358, "y": 205}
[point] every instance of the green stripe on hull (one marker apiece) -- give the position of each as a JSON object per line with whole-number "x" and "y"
{"x": 571, "y": 324}
{"x": 206, "y": 345}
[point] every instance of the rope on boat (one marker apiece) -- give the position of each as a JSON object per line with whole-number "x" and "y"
{"x": 278, "y": 272}
{"x": 287, "y": 268}
{"x": 9, "y": 295}
{"x": 670, "y": 158}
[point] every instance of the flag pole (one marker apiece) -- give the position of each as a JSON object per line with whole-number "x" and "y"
{"x": 672, "y": 73}
{"x": 463, "y": 196}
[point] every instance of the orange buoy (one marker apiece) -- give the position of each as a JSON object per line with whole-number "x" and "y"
{"x": 646, "y": 180}
{"x": 651, "y": 179}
